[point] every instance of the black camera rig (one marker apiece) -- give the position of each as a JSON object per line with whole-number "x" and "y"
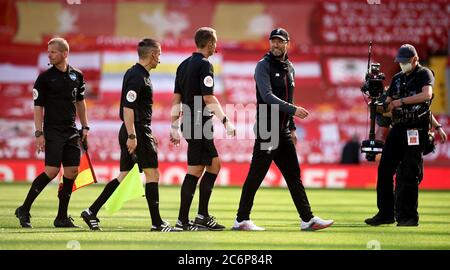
{"x": 373, "y": 87}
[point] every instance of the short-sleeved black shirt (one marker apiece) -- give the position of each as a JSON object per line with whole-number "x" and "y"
{"x": 195, "y": 78}
{"x": 403, "y": 85}
{"x": 137, "y": 94}
{"x": 57, "y": 92}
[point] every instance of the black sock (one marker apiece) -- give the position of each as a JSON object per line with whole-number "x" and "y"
{"x": 64, "y": 194}
{"x": 104, "y": 196}
{"x": 187, "y": 194}
{"x": 152, "y": 196}
{"x": 39, "y": 183}
{"x": 206, "y": 187}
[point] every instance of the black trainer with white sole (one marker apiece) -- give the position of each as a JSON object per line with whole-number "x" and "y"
{"x": 91, "y": 220}
{"x": 209, "y": 222}
{"x": 191, "y": 227}
{"x": 165, "y": 227}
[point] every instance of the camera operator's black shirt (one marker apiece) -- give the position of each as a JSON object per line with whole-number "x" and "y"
{"x": 195, "y": 78}
{"x": 137, "y": 94}
{"x": 403, "y": 85}
{"x": 57, "y": 92}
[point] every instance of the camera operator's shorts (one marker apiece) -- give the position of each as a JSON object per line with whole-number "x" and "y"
{"x": 201, "y": 152}
{"x": 146, "y": 150}
{"x": 62, "y": 146}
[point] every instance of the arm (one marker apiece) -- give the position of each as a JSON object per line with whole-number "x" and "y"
{"x": 264, "y": 88}
{"x": 128, "y": 119}
{"x": 82, "y": 114}
{"x": 38, "y": 120}
{"x": 175, "y": 116}
{"x": 214, "y": 106}
{"x": 425, "y": 95}
{"x": 438, "y": 127}
{"x": 262, "y": 79}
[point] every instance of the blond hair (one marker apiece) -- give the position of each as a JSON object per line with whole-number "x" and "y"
{"x": 63, "y": 45}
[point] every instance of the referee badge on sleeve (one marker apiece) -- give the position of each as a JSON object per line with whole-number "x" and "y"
{"x": 208, "y": 81}
{"x": 35, "y": 94}
{"x": 131, "y": 96}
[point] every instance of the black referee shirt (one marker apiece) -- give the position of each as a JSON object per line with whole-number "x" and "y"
{"x": 195, "y": 78}
{"x": 57, "y": 92}
{"x": 137, "y": 94}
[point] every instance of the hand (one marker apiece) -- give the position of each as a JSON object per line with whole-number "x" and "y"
{"x": 231, "y": 130}
{"x": 131, "y": 145}
{"x": 301, "y": 112}
{"x": 40, "y": 144}
{"x": 84, "y": 142}
{"x": 175, "y": 136}
{"x": 442, "y": 134}
{"x": 155, "y": 140}
{"x": 294, "y": 137}
{"x": 394, "y": 104}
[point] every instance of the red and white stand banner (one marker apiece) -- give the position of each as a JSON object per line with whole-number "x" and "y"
{"x": 233, "y": 174}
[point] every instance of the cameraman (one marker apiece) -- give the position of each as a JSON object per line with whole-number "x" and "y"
{"x": 409, "y": 98}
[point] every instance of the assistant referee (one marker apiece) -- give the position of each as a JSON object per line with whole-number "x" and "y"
{"x": 58, "y": 95}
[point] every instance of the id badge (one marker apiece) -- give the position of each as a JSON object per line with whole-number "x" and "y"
{"x": 413, "y": 136}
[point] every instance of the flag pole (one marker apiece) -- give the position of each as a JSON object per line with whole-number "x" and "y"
{"x": 90, "y": 166}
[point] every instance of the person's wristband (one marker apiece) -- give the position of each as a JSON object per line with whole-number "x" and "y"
{"x": 401, "y": 100}
{"x": 86, "y": 128}
{"x": 131, "y": 136}
{"x": 438, "y": 127}
{"x": 224, "y": 120}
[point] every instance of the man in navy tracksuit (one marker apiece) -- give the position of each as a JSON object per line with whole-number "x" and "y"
{"x": 275, "y": 135}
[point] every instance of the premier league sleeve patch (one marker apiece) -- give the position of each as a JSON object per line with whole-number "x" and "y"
{"x": 131, "y": 96}
{"x": 35, "y": 93}
{"x": 208, "y": 81}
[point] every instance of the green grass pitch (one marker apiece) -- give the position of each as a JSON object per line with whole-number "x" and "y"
{"x": 273, "y": 209}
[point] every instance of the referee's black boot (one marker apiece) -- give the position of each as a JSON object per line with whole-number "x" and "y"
{"x": 91, "y": 220}
{"x": 24, "y": 218}
{"x": 378, "y": 219}
{"x": 408, "y": 222}
{"x": 65, "y": 223}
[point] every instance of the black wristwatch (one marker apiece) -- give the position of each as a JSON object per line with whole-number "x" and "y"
{"x": 131, "y": 136}
{"x": 438, "y": 127}
{"x": 86, "y": 128}
{"x": 38, "y": 133}
{"x": 224, "y": 120}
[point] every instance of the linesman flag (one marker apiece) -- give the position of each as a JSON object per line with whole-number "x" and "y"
{"x": 86, "y": 174}
{"x": 130, "y": 188}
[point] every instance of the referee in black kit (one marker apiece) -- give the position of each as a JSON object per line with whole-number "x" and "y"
{"x": 58, "y": 95}
{"x": 135, "y": 136}
{"x": 194, "y": 88}
{"x": 274, "y": 76}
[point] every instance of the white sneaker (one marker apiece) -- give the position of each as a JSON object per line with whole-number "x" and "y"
{"x": 316, "y": 223}
{"x": 246, "y": 225}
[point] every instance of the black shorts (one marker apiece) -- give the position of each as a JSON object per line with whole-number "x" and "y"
{"x": 62, "y": 145}
{"x": 146, "y": 150}
{"x": 201, "y": 152}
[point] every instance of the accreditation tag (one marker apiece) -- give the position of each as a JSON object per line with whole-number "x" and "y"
{"x": 413, "y": 136}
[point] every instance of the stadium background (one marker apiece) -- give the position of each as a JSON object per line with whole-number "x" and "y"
{"x": 329, "y": 50}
